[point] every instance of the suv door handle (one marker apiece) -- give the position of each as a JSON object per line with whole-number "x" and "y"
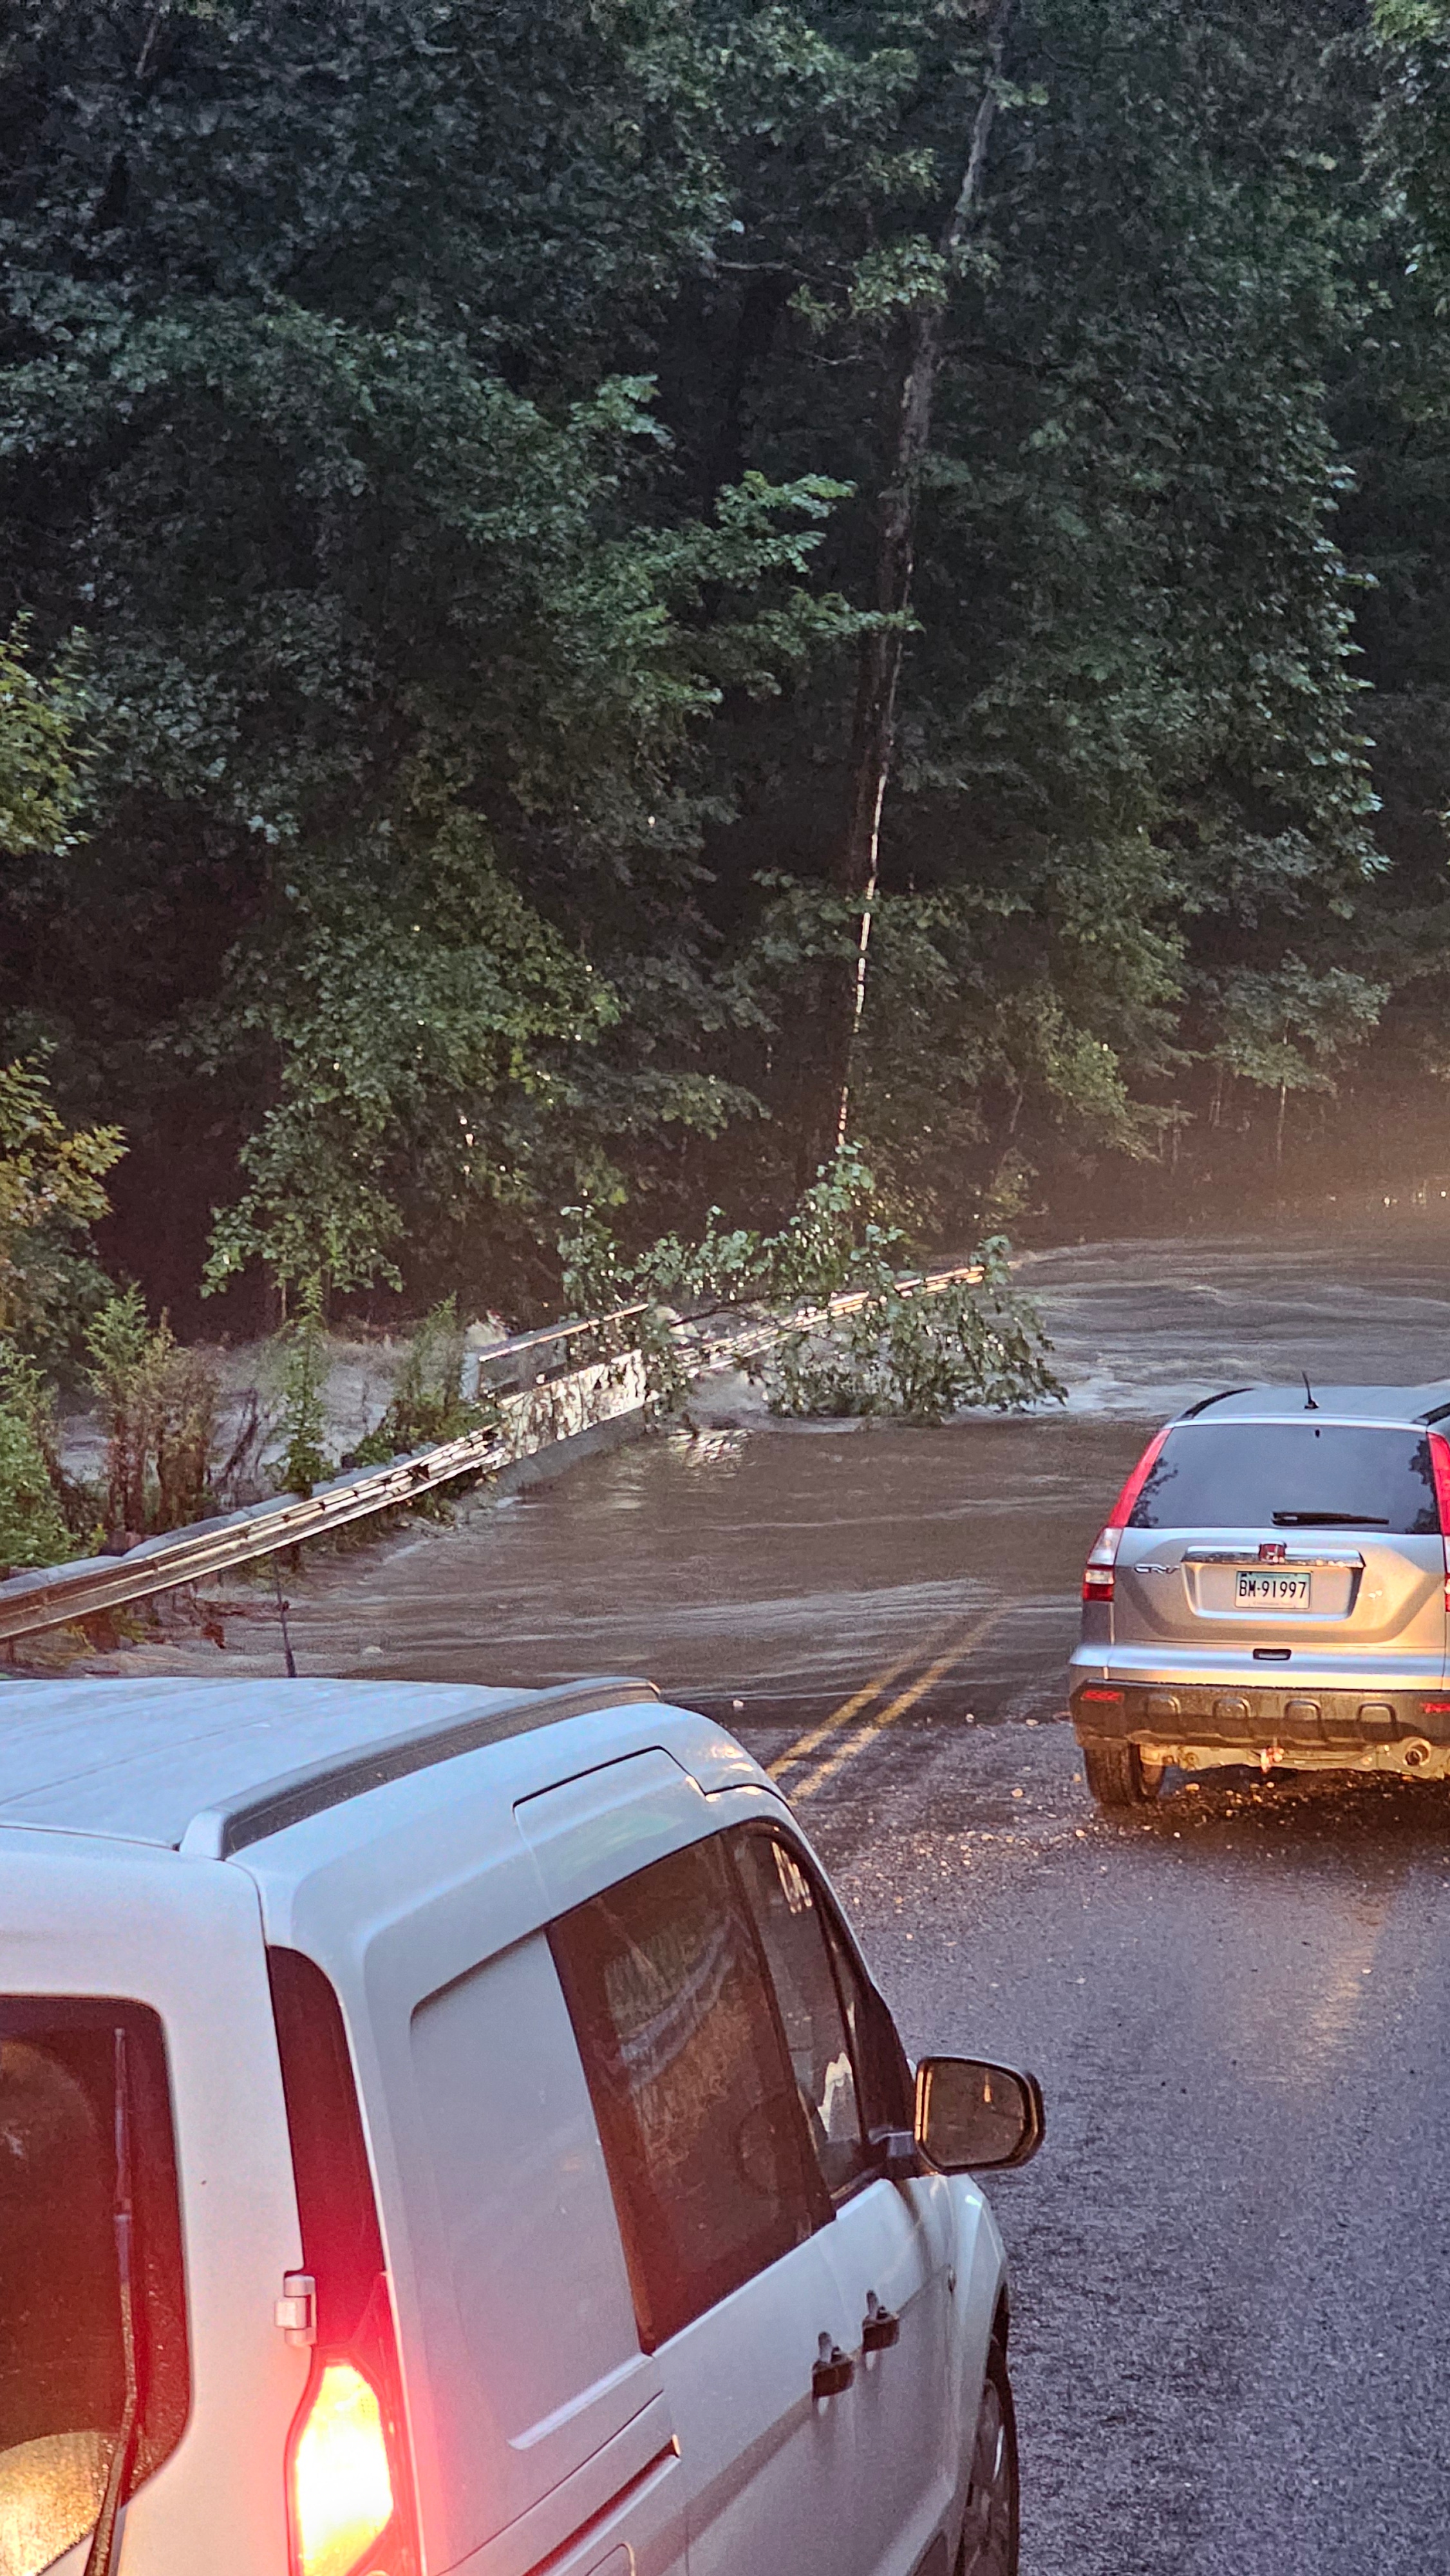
{"x": 834, "y": 2371}
{"x": 879, "y": 2330}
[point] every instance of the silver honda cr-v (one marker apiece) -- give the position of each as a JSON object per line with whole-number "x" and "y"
{"x": 1272, "y": 1588}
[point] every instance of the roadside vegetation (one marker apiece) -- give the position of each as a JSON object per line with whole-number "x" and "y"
{"x": 175, "y": 1450}
{"x": 918, "y": 1356}
{"x": 895, "y": 1348}
{"x": 177, "y": 1444}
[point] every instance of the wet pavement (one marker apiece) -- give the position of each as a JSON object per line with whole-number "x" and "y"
{"x": 1231, "y": 2340}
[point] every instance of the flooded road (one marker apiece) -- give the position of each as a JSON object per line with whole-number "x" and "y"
{"x": 1231, "y": 2337}
{"x": 775, "y": 1573}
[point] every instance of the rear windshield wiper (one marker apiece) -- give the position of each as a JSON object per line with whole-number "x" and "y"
{"x": 101, "y": 2557}
{"x": 1327, "y": 1520}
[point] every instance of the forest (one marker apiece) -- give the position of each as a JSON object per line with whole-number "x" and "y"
{"x": 602, "y": 595}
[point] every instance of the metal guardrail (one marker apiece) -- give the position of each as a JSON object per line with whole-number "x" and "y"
{"x": 495, "y": 1366}
{"x": 52, "y": 1596}
{"x": 537, "y": 1415}
{"x": 758, "y": 1337}
{"x": 55, "y": 1594}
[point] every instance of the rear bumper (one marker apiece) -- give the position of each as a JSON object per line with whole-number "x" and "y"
{"x": 1198, "y": 1726}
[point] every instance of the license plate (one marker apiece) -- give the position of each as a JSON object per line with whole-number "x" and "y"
{"x": 1273, "y": 1591}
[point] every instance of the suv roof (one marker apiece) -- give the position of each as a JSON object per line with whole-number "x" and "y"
{"x": 219, "y": 1765}
{"x": 1402, "y": 1405}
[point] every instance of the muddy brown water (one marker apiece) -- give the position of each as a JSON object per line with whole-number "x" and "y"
{"x": 770, "y": 1571}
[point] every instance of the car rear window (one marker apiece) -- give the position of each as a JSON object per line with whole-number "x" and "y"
{"x": 1290, "y": 1475}
{"x": 62, "y": 2185}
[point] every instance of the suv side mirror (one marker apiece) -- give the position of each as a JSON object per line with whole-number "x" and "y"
{"x": 975, "y": 2118}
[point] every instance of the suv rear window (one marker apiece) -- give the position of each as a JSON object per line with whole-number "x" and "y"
{"x": 62, "y": 2366}
{"x": 1290, "y": 1475}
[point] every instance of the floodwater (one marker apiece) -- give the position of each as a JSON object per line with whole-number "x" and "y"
{"x": 767, "y": 1572}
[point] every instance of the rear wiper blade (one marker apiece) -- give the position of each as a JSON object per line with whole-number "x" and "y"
{"x": 101, "y": 2557}
{"x": 1327, "y": 1520}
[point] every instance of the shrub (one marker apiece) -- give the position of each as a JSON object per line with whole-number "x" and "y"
{"x": 901, "y": 1352}
{"x": 50, "y": 1194}
{"x": 916, "y": 1356}
{"x": 305, "y": 1462}
{"x": 160, "y": 1405}
{"x": 32, "y": 1523}
{"x": 428, "y": 1405}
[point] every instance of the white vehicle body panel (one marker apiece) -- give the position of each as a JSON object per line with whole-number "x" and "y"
{"x": 541, "y": 2433}
{"x": 82, "y": 1917}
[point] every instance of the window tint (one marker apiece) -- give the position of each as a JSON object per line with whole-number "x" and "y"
{"x": 696, "y": 2107}
{"x": 1290, "y": 1475}
{"x": 62, "y": 2375}
{"x": 813, "y": 1994}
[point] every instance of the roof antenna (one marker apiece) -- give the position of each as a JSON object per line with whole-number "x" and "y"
{"x": 284, "y": 1606}
{"x": 1309, "y": 1404}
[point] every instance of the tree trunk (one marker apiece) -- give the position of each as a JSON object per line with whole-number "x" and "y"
{"x": 879, "y": 665}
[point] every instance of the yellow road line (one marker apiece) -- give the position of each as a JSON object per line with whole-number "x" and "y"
{"x": 898, "y": 1707}
{"x": 806, "y": 1744}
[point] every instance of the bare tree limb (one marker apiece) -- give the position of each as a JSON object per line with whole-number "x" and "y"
{"x": 879, "y": 664}
{"x": 159, "y": 16}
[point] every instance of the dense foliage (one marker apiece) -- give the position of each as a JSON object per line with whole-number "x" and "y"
{"x": 918, "y": 1356}
{"x": 848, "y": 1327}
{"x": 445, "y": 452}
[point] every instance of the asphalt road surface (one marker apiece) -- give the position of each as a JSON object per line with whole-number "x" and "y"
{"x": 1232, "y": 2329}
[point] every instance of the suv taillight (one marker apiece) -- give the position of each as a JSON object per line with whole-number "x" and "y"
{"x": 1097, "y": 1575}
{"x": 350, "y": 2508}
{"x": 1440, "y": 1464}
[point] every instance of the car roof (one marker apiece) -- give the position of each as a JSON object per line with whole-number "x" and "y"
{"x": 217, "y": 1765}
{"x": 1403, "y": 1405}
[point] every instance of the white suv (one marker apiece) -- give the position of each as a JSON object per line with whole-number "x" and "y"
{"x": 454, "y": 2129}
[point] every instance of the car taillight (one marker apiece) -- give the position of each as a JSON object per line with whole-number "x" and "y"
{"x": 349, "y": 2496}
{"x": 340, "y": 2491}
{"x": 1097, "y": 1575}
{"x": 350, "y": 2509}
{"x": 1440, "y": 1465}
